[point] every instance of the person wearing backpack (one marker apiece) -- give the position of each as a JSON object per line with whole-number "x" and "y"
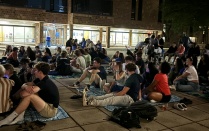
{"x": 125, "y": 97}
{"x": 159, "y": 89}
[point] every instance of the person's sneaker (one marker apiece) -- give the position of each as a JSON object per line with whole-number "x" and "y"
{"x": 75, "y": 85}
{"x": 172, "y": 87}
{"x": 153, "y": 101}
{"x": 85, "y": 102}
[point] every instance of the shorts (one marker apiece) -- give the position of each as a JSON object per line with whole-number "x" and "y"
{"x": 165, "y": 98}
{"x": 48, "y": 111}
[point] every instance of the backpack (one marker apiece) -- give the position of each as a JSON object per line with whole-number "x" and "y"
{"x": 144, "y": 110}
{"x": 125, "y": 118}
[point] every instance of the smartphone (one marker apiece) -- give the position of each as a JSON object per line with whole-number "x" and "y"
{"x": 5, "y": 76}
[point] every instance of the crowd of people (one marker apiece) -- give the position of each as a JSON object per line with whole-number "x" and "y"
{"x": 134, "y": 77}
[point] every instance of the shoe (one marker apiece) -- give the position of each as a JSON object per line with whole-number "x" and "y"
{"x": 76, "y": 97}
{"x": 85, "y": 102}
{"x": 178, "y": 106}
{"x": 172, "y": 87}
{"x": 184, "y": 106}
{"x": 153, "y": 101}
{"x": 75, "y": 85}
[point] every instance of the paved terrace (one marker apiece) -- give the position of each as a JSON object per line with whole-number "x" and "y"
{"x": 196, "y": 118}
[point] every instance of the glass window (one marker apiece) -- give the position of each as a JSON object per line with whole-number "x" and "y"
{"x": 1, "y": 33}
{"x": 112, "y": 39}
{"x": 19, "y": 34}
{"x": 8, "y": 33}
{"x": 125, "y": 39}
{"x": 135, "y": 39}
{"x": 78, "y": 34}
{"x": 119, "y": 39}
{"x": 95, "y": 36}
{"x": 29, "y": 34}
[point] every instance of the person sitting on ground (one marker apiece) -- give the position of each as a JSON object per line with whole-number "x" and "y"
{"x": 47, "y": 55}
{"x": 96, "y": 73}
{"x": 31, "y": 54}
{"x": 12, "y": 58}
{"x": 194, "y": 52}
{"x": 5, "y": 89}
{"x": 42, "y": 93}
{"x": 87, "y": 57}
{"x": 21, "y": 53}
{"x": 171, "y": 51}
{"x": 9, "y": 71}
{"x": 130, "y": 59}
{"x": 179, "y": 52}
{"x": 38, "y": 53}
{"x": 175, "y": 71}
{"x": 23, "y": 71}
{"x": 203, "y": 69}
{"x": 149, "y": 74}
{"x": 80, "y": 63}
{"x": 119, "y": 76}
{"x": 116, "y": 55}
{"x": 140, "y": 63}
{"x": 8, "y": 50}
{"x": 56, "y": 55}
{"x": 128, "y": 95}
{"x": 188, "y": 81}
{"x": 159, "y": 90}
{"x": 62, "y": 66}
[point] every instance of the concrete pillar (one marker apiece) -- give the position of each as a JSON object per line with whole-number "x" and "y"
{"x": 100, "y": 34}
{"x": 71, "y": 30}
{"x": 65, "y": 33}
{"x": 39, "y": 27}
{"x": 130, "y": 38}
{"x": 108, "y": 37}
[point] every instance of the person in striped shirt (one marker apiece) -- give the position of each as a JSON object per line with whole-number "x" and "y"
{"x": 5, "y": 89}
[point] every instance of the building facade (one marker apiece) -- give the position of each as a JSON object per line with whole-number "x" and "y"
{"x": 113, "y": 22}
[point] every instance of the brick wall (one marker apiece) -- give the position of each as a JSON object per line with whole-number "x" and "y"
{"x": 32, "y": 14}
{"x": 122, "y": 16}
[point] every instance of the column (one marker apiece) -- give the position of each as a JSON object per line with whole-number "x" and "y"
{"x": 65, "y": 33}
{"x": 39, "y": 27}
{"x": 130, "y": 38}
{"x": 100, "y": 34}
{"x": 71, "y": 30}
{"x": 108, "y": 37}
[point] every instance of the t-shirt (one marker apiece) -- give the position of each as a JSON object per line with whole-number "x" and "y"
{"x": 49, "y": 91}
{"x": 162, "y": 85}
{"x": 133, "y": 82}
{"x": 192, "y": 73}
{"x": 87, "y": 59}
{"x": 102, "y": 73}
{"x": 5, "y": 88}
{"x": 81, "y": 62}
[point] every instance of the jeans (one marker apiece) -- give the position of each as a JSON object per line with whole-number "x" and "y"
{"x": 184, "y": 85}
{"x": 110, "y": 99}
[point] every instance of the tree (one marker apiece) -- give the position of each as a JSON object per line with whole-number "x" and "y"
{"x": 184, "y": 15}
